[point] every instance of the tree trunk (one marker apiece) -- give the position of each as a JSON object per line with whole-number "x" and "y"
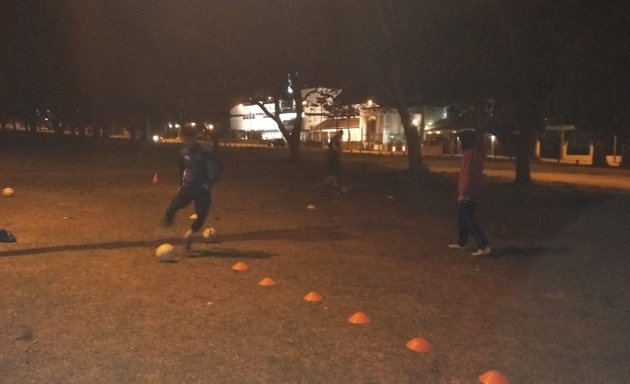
{"x": 31, "y": 124}
{"x": 522, "y": 169}
{"x": 292, "y": 137}
{"x": 131, "y": 128}
{"x": 599, "y": 153}
{"x": 148, "y": 134}
{"x": 625, "y": 152}
{"x": 97, "y": 130}
{"x": 296, "y": 133}
{"x": 57, "y": 127}
{"x": 294, "y": 147}
{"x": 414, "y": 152}
{"x": 101, "y": 130}
{"x": 524, "y": 145}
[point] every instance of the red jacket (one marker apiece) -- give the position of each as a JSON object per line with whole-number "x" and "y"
{"x": 471, "y": 174}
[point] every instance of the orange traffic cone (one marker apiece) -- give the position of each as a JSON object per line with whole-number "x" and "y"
{"x": 493, "y": 377}
{"x": 266, "y": 282}
{"x": 419, "y": 345}
{"x": 313, "y": 297}
{"x": 359, "y": 318}
{"x": 155, "y": 178}
{"x": 240, "y": 266}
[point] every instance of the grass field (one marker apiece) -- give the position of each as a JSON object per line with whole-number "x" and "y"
{"x": 85, "y": 300}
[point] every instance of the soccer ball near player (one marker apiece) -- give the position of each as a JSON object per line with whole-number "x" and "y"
{"x": 165, "y": 253}
{"x": 210, "y": 235}
{"x": 8, "y": 192}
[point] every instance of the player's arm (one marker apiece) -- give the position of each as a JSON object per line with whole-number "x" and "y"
{"x": 182, "y": 168}
{"x": 215, "y": 166}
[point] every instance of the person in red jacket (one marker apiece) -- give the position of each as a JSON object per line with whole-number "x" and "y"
{"x": 469, "y": 189}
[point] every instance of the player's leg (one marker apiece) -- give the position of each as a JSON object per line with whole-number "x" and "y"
{"x": 202, "y": 200}
{"x": 180, "y": 200}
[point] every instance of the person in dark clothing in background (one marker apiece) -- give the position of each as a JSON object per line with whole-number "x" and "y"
{"x": 333, "y": 162}
{"x": 469, "y": 188}
{"x": 199, "y": 169}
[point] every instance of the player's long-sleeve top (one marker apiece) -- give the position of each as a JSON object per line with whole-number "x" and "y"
{"x": 471, "y": 174}
{"x": 199, "y": 166}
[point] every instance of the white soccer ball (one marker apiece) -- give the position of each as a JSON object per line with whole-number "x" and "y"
{"x": 165, "y": 252}
{"x": 210, "y": 234}
{"x": 8, "y": 192}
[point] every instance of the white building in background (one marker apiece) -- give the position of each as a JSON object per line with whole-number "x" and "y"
{"x": 372, "y": 127}
{"x": 315, "y": 101}
{"x": 381, "y": 128}
{"x": 251, "y": 123}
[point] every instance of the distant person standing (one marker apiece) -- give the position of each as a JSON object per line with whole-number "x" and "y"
{"x": 333, "y": 162}
{"x": 469, "y": 188}
{"x": 199, "y": 169}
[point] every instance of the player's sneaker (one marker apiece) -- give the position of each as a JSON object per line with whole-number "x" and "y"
{"x": 485, "y": 251}
{"x": 188, "y": 240}
{"x": 456, "y": 246}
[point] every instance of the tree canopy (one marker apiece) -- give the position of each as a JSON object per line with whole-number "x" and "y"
{"x": 116, "y": 56}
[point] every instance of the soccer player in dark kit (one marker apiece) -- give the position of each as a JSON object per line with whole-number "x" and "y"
{"x": 199, "y": 169}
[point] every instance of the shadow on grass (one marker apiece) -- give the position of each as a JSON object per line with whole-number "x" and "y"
{"x": 532, "y": 251}
{"x": 218, "y": 252}
{"x": 228, "y": 253}
{"x": 88, "y": 247}
{"x": 312, "y": 234}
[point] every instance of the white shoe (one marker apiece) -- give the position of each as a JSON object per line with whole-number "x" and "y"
{"x": 188, "y": 240}
{"x": 456, "y": 246}
{"x": 482, "y": 251}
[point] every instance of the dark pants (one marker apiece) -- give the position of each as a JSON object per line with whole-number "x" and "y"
{"x": 467, "y": 224}
{"x": 199, "y": 195}
{"x": 334, "y": 165}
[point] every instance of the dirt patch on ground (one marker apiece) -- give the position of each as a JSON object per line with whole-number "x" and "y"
{"x": 85, "y": 300}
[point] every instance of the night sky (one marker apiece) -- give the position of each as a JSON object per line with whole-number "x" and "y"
{"x": 124, "y": 54}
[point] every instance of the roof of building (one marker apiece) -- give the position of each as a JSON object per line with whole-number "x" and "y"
{"x": 335, "y": 124}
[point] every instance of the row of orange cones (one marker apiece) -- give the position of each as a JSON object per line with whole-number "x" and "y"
{"x": 417, "y": 344}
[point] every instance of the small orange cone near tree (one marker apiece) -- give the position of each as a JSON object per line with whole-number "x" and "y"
{"x": 240, "y": 266}
{"x": 419, "y": 345}
{"x": 155, "y": 178}
{"x": 266, "y": 282}
{"x": 359, "y": 318}
{"x": 313, "y": 297}
{"x": 493, "y": 377}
